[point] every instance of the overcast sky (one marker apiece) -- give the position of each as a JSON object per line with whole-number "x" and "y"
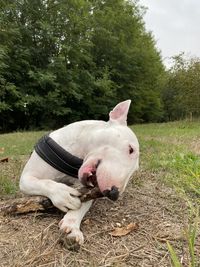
{"x": 175, "y": 25}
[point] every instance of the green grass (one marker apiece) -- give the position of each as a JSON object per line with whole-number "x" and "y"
{"x": 17, "y": 147}
{"x": 172, "y": 151}
{"x": 169, "y": 150}
{"x": 191, "y": 234}
{"x": 18, "y": 143}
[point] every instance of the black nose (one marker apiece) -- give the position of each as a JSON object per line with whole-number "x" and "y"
{"x": 112, "y": 194}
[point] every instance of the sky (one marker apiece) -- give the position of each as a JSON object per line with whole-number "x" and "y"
{"x": 175, "y": 25}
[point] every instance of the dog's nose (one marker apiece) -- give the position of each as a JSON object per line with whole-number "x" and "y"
{"x": 112, "y": 194}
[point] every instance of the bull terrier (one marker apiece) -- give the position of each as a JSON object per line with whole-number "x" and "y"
{"x": 110, "y": 153}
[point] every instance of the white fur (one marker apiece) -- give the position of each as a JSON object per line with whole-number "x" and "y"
{"x": 91, "y": 140}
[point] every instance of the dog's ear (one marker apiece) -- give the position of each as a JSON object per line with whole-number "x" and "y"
{"x": 120, "y": 112}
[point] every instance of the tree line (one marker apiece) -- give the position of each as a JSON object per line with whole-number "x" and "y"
{"x": 181, "y": 90}
{"x": 68, "y": 60}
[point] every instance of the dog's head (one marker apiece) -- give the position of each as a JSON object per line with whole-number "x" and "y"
{"x": 113, "y": 154}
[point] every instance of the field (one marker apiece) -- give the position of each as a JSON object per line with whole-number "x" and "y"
{"x": 162, "y": 198}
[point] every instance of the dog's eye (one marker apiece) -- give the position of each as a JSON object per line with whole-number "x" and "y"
{"x": 131, "y": 150}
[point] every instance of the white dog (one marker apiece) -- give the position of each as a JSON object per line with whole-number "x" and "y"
{"x": 110, "y": 153}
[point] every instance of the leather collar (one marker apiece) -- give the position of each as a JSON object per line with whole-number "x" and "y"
{"x": 57, "y": 157}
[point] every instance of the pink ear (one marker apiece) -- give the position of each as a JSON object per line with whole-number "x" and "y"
{"x": 120, "y": 112}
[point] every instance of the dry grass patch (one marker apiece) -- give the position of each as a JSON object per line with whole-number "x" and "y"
{"x": 34, "y": 239}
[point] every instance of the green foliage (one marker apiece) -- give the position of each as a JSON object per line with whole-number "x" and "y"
{"x": 62, "y": 61}
{"x": 181, "y": 93}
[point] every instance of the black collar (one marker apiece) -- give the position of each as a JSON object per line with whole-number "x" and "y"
{"x": 57, "y": 157}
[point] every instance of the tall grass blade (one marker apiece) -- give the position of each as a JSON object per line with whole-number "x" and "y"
{"x": 173, "y": 255}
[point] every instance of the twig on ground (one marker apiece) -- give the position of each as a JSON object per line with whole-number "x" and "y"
{"x": 40, "y": 203}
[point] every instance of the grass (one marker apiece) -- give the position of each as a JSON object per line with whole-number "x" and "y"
{"x": 18, "y": 143}
{"x": 191, "y": 234}
{"x": 17, "y": 147}
{"x": 172, "y": 152}
{"x": 169, "y": 151}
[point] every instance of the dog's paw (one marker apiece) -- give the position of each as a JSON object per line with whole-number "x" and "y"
{"x": 74, "y": 234}
{"x": 65, "y": 197}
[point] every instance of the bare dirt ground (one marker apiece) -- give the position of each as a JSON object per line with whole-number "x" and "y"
{"x": 34, "y": 239}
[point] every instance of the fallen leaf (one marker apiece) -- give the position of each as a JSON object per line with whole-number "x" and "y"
{"x": 4, "y": 160}
{"x": 121, "y": 231}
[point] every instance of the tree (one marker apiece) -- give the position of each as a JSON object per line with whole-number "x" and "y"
{"x": 128, "y": 51}
{"x": 63, "y": 61}
{"x": 181, "y": 93}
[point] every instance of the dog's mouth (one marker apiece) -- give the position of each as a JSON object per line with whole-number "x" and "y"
{"x": 89, "y": 178}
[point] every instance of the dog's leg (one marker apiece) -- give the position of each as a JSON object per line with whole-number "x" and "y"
{"x": 70, "y": 223}
{"x": 61, "y": 195}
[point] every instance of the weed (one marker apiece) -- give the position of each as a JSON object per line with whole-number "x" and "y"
{"x": 173, "y": 255}
{"x": 191, "y": 235}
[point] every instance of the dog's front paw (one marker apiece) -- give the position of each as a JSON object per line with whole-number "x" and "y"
{"x": 64, "y": 197}
{"x": 70, "y": 227}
